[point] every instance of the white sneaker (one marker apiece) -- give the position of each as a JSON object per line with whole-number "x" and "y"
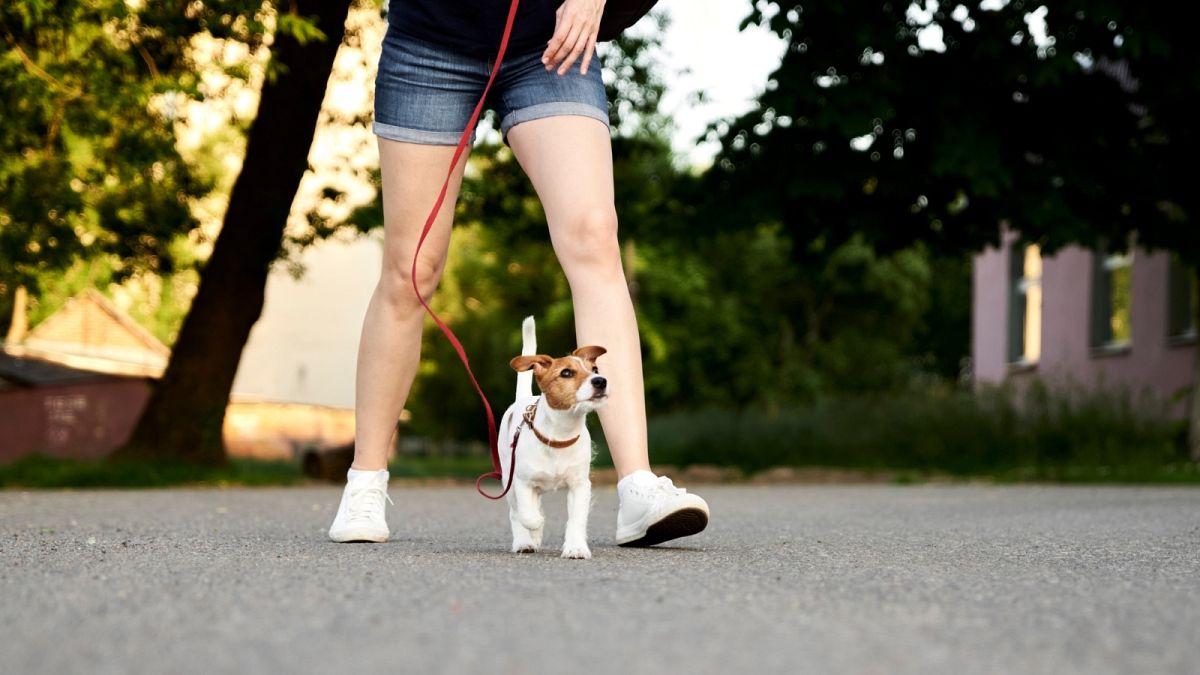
{"x": 360, "y": 516}
{"x": 653, "y": 510}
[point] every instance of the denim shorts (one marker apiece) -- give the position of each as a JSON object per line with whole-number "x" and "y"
{"x": 425, "y": 93}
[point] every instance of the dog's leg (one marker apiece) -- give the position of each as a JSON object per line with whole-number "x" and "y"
{"x": 536, "y": 534}
{"x": 525, "y": 513}
{"x": 579, "y": 502}
{"x": 529, "y": 508}
{"x": 522, "y": 540}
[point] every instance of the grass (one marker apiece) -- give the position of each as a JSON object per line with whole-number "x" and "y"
{"x": 39, "y": 471}
{"x": 50, "y": 472}
{"x": 1001, "y": 434}
{"x": 460, "y": 468}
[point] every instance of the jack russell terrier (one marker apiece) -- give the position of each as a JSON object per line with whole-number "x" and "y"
{"x": 553, "y": 446}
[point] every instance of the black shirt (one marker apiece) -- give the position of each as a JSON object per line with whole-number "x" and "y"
{"x": 474, "y": 27}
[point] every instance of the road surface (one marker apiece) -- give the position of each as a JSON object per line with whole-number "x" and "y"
{"x": 787, "y": 579}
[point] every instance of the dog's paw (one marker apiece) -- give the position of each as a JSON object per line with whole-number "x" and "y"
{"x": 577, "y": 552}
{"x": 524, "y": 547}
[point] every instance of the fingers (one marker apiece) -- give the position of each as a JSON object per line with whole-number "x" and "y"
{"x": 587, "y": 54}
{"x": 578, "y": 42}
{"x": 566, "y": 37}
{"x": 557, "y": 41}
{"x": 574, "y": 35}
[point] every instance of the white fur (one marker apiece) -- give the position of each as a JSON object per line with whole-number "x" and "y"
{"x": 541, "y": 468}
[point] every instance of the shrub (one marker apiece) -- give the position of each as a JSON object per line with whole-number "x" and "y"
{"x": 1007, "y": 431}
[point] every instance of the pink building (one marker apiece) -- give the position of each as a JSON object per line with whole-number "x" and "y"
{"x": 1085, "y": 317}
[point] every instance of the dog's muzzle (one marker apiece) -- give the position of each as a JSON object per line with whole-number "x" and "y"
{"x": 599, "y": 387}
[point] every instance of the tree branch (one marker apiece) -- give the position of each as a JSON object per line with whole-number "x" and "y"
{"x": 37, "y": 71}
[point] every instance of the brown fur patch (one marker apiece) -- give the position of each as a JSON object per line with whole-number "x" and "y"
{"x": 590, "y": 353}
{"x": 523, "y": 363}
{"x": 559, "y": 391}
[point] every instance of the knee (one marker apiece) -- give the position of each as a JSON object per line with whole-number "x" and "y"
{"x": 590, "y": 244}
{"x": 395, "y": 283}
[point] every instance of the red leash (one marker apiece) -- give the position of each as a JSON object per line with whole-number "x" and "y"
{"x": 462, "y": 354}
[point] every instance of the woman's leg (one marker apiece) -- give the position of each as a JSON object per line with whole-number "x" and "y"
{"x": 569, "y": 160}
{"x": 390, "y": 347}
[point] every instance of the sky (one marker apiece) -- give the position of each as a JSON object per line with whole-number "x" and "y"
{"x": 731, "y": 67}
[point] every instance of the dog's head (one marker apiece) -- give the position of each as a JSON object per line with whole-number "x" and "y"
{"x": 571, "y": 382}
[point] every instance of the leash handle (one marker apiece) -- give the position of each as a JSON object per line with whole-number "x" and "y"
{"x": 496, "y": 472}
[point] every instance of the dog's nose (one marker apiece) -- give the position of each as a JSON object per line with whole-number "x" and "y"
{"x": 599, "y": 382}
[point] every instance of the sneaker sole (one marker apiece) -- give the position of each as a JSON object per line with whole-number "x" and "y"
{"x": 682, "y": 523}
{"x": 362, "y": 539}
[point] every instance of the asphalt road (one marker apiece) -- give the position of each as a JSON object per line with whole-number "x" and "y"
{"x": 850, "y": 579}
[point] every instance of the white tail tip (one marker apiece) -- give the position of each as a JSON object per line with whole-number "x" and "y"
{"x": 528, "y": 336}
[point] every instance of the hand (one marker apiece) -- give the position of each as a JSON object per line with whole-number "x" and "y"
{"x": 575, "y": 28}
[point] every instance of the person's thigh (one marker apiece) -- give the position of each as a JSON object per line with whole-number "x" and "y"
{"x": 411, "y": 177}
{"x": 557, "y": 126}
{"x": 568, "y": 158}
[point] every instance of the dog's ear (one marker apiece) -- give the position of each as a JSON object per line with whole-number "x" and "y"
{"x": 590, "y": 353}
{"x": 523, "y": 363}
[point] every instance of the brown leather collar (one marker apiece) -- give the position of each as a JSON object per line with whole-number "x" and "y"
{"x": 530, "y": 412}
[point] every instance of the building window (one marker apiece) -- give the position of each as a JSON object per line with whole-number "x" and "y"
{"x": 1025, "y": 305}
{"x": 1112, "y": 300}
{"x": 1183, "y": 299}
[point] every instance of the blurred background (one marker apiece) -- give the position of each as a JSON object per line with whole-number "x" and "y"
{"x": 864, "y": 239}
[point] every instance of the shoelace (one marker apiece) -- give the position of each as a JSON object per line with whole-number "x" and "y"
{"x": 661, "y": 487}
{"x": 361, "y": 507}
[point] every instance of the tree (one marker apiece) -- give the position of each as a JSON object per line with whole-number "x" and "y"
{"x": 1071, "y": 122}
{"x": 186, "y": 411}
{"x": 89, "y": 168}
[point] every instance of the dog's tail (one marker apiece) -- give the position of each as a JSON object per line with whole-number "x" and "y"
{"x": 528, "y": 348}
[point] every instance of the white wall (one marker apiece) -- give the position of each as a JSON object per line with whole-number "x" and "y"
{"x": 304, "y": 348}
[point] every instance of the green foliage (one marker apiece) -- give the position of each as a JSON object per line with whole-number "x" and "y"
{"x": 729, "y": 321}
{"x": 94, "y": 187}
{"x": 1082, "y": 136}
{"x": 461, "y": 468}
{"x": 88, "y": 163}
{"x": 1008, "y": 432}
{"x": 301, "y": 28}
{"x": 636, "y": 86}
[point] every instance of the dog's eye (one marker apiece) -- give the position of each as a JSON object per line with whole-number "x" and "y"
{"x": 567, "y": 372}
{"x": 595, "y": 369}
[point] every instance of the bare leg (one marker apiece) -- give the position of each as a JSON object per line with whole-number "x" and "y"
{"x": 569, "y": 161}
{"x": 390, "y": 348}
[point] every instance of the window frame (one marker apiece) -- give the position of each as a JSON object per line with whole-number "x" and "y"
{"x": 1104, "y": 263}
{"x": 1018, "y": 311}
{"x": 1182, "y": 295}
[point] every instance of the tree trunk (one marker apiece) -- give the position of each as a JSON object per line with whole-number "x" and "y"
{"x": 186, "y": 411}
{"x": 20, "y": 317}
